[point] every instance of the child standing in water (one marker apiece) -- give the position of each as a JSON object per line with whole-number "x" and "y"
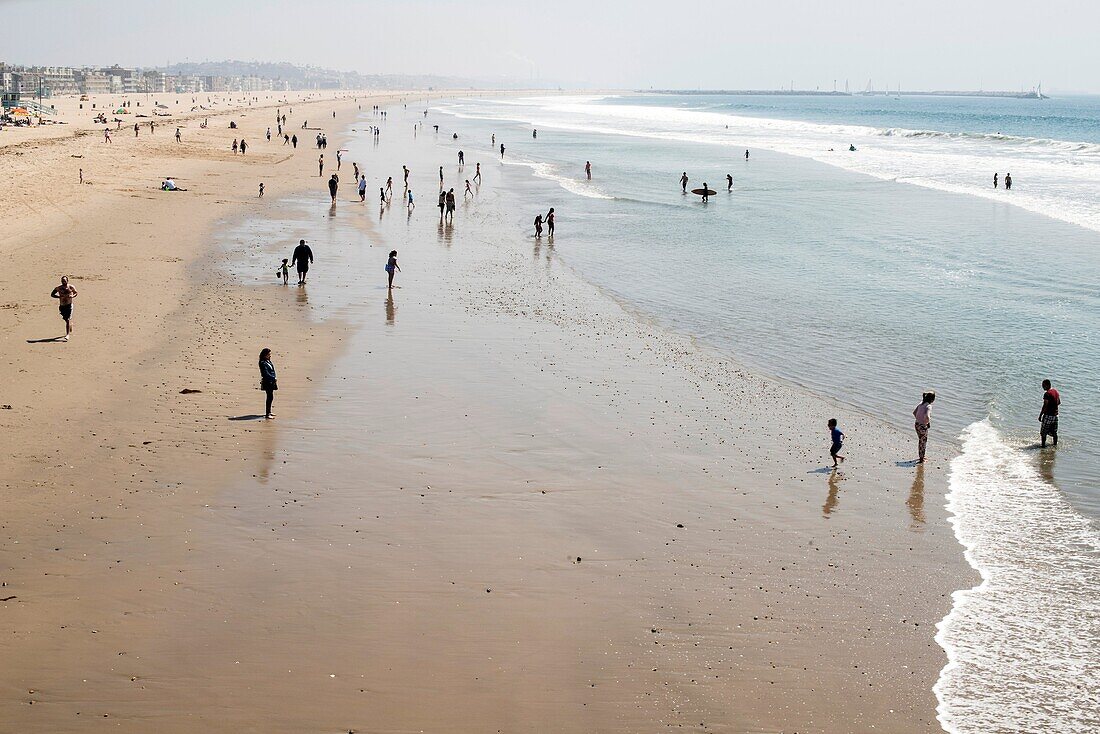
{"x": 391, "y": 266}
{"x": 284, "y": 270}
{"x": 838, "y": 441}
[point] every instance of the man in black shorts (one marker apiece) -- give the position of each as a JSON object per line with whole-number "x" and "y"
{"x": 301, "y": 258}
{"x": 65, "y": 293}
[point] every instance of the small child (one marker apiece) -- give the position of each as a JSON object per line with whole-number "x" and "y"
{"x": 284, "y": 269}
{"x": 838, "y": 441}
{"x": 261, "y": 189}
{"x": 391, "y": 266}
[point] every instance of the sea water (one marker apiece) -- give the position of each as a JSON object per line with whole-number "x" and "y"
{"x": 869, "y": 276}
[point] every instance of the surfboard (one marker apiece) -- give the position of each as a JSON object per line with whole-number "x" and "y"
{"x": 706, "y": 192}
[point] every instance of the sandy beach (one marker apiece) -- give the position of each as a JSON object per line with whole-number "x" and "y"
{"x": 495, "y": 499}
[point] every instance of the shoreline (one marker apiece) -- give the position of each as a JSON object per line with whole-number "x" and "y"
{"x": 558, "y": 340}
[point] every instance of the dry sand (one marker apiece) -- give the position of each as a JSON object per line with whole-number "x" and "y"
{"x": 496, "y": 501}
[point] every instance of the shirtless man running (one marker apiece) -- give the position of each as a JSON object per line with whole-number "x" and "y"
{"x": 65, "y": 294}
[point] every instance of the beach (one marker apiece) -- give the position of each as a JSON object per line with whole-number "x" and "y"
{"x": 495, "y": 498}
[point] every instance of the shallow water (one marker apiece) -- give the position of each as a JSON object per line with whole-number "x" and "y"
{"x": 862, "y": 290}
{"x": 868, "y": 281}
{"x": 881, "y": 290}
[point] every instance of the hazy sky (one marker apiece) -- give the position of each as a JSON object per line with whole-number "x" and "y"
{"x": 924, "y": 44}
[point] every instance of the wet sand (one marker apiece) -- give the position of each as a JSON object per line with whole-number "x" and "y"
{"x": 494, "y": 499}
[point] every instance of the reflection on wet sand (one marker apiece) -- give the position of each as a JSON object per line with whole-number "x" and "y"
{"x": 833, "y": 498}
{"x": 915, "y": 503}
{"x": 302, "y": 296}
{"x": 391, "y": 310}
{"x": 1046, "y": 465}
{"x": 267, "y": 451}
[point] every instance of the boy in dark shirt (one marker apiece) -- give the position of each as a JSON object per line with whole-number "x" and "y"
{"x": 838, "y": 441}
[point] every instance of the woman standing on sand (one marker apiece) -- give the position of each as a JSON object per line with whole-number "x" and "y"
{"x": 391, "y": 266}
{"x": 922, "y": 416}
{"x": 268, "y": 382}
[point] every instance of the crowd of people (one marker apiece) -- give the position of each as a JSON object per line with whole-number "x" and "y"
{"x": 302, "y": 258}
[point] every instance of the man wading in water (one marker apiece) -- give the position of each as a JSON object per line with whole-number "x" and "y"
{"x": 1048, "y": 415}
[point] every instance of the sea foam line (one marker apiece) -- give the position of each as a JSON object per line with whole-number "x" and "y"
{"x": 1022, "y": 645}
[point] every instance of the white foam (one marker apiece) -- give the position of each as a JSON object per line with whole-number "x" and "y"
{"x": 1023, "y": 645}
{"x": 551, "y": 172}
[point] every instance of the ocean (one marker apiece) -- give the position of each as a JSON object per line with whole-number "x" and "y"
{"x": 867, "y": 277}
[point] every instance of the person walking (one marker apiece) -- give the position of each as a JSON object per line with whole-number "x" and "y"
{"x": 301, "y": 258}
{"x": 333, "y": 186}
{"x": 550, "y": 223}
{"x": 451, "y": 204}
{"x": 294, "y": 141}
{"x": 922, "y": 417}
{"x": 268, "y": 381}
{"x": 502, "y": 151}
{"x": 363, "y": 187}
{"x": 477, "y": 173}
{"x": 391, "y": 266}
{"x": 684, "y": 182}
{"x": 588, "y": 169}
{"x": 996, "y": 177}
{"x": 65, "y": 294}
{"x": 1048, "y": 414}
{"x": 1008, "y": 181}
{"x": 442, "y": 203}
{"x": 321, "y": 165}
{"x": 244, "y": 145}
